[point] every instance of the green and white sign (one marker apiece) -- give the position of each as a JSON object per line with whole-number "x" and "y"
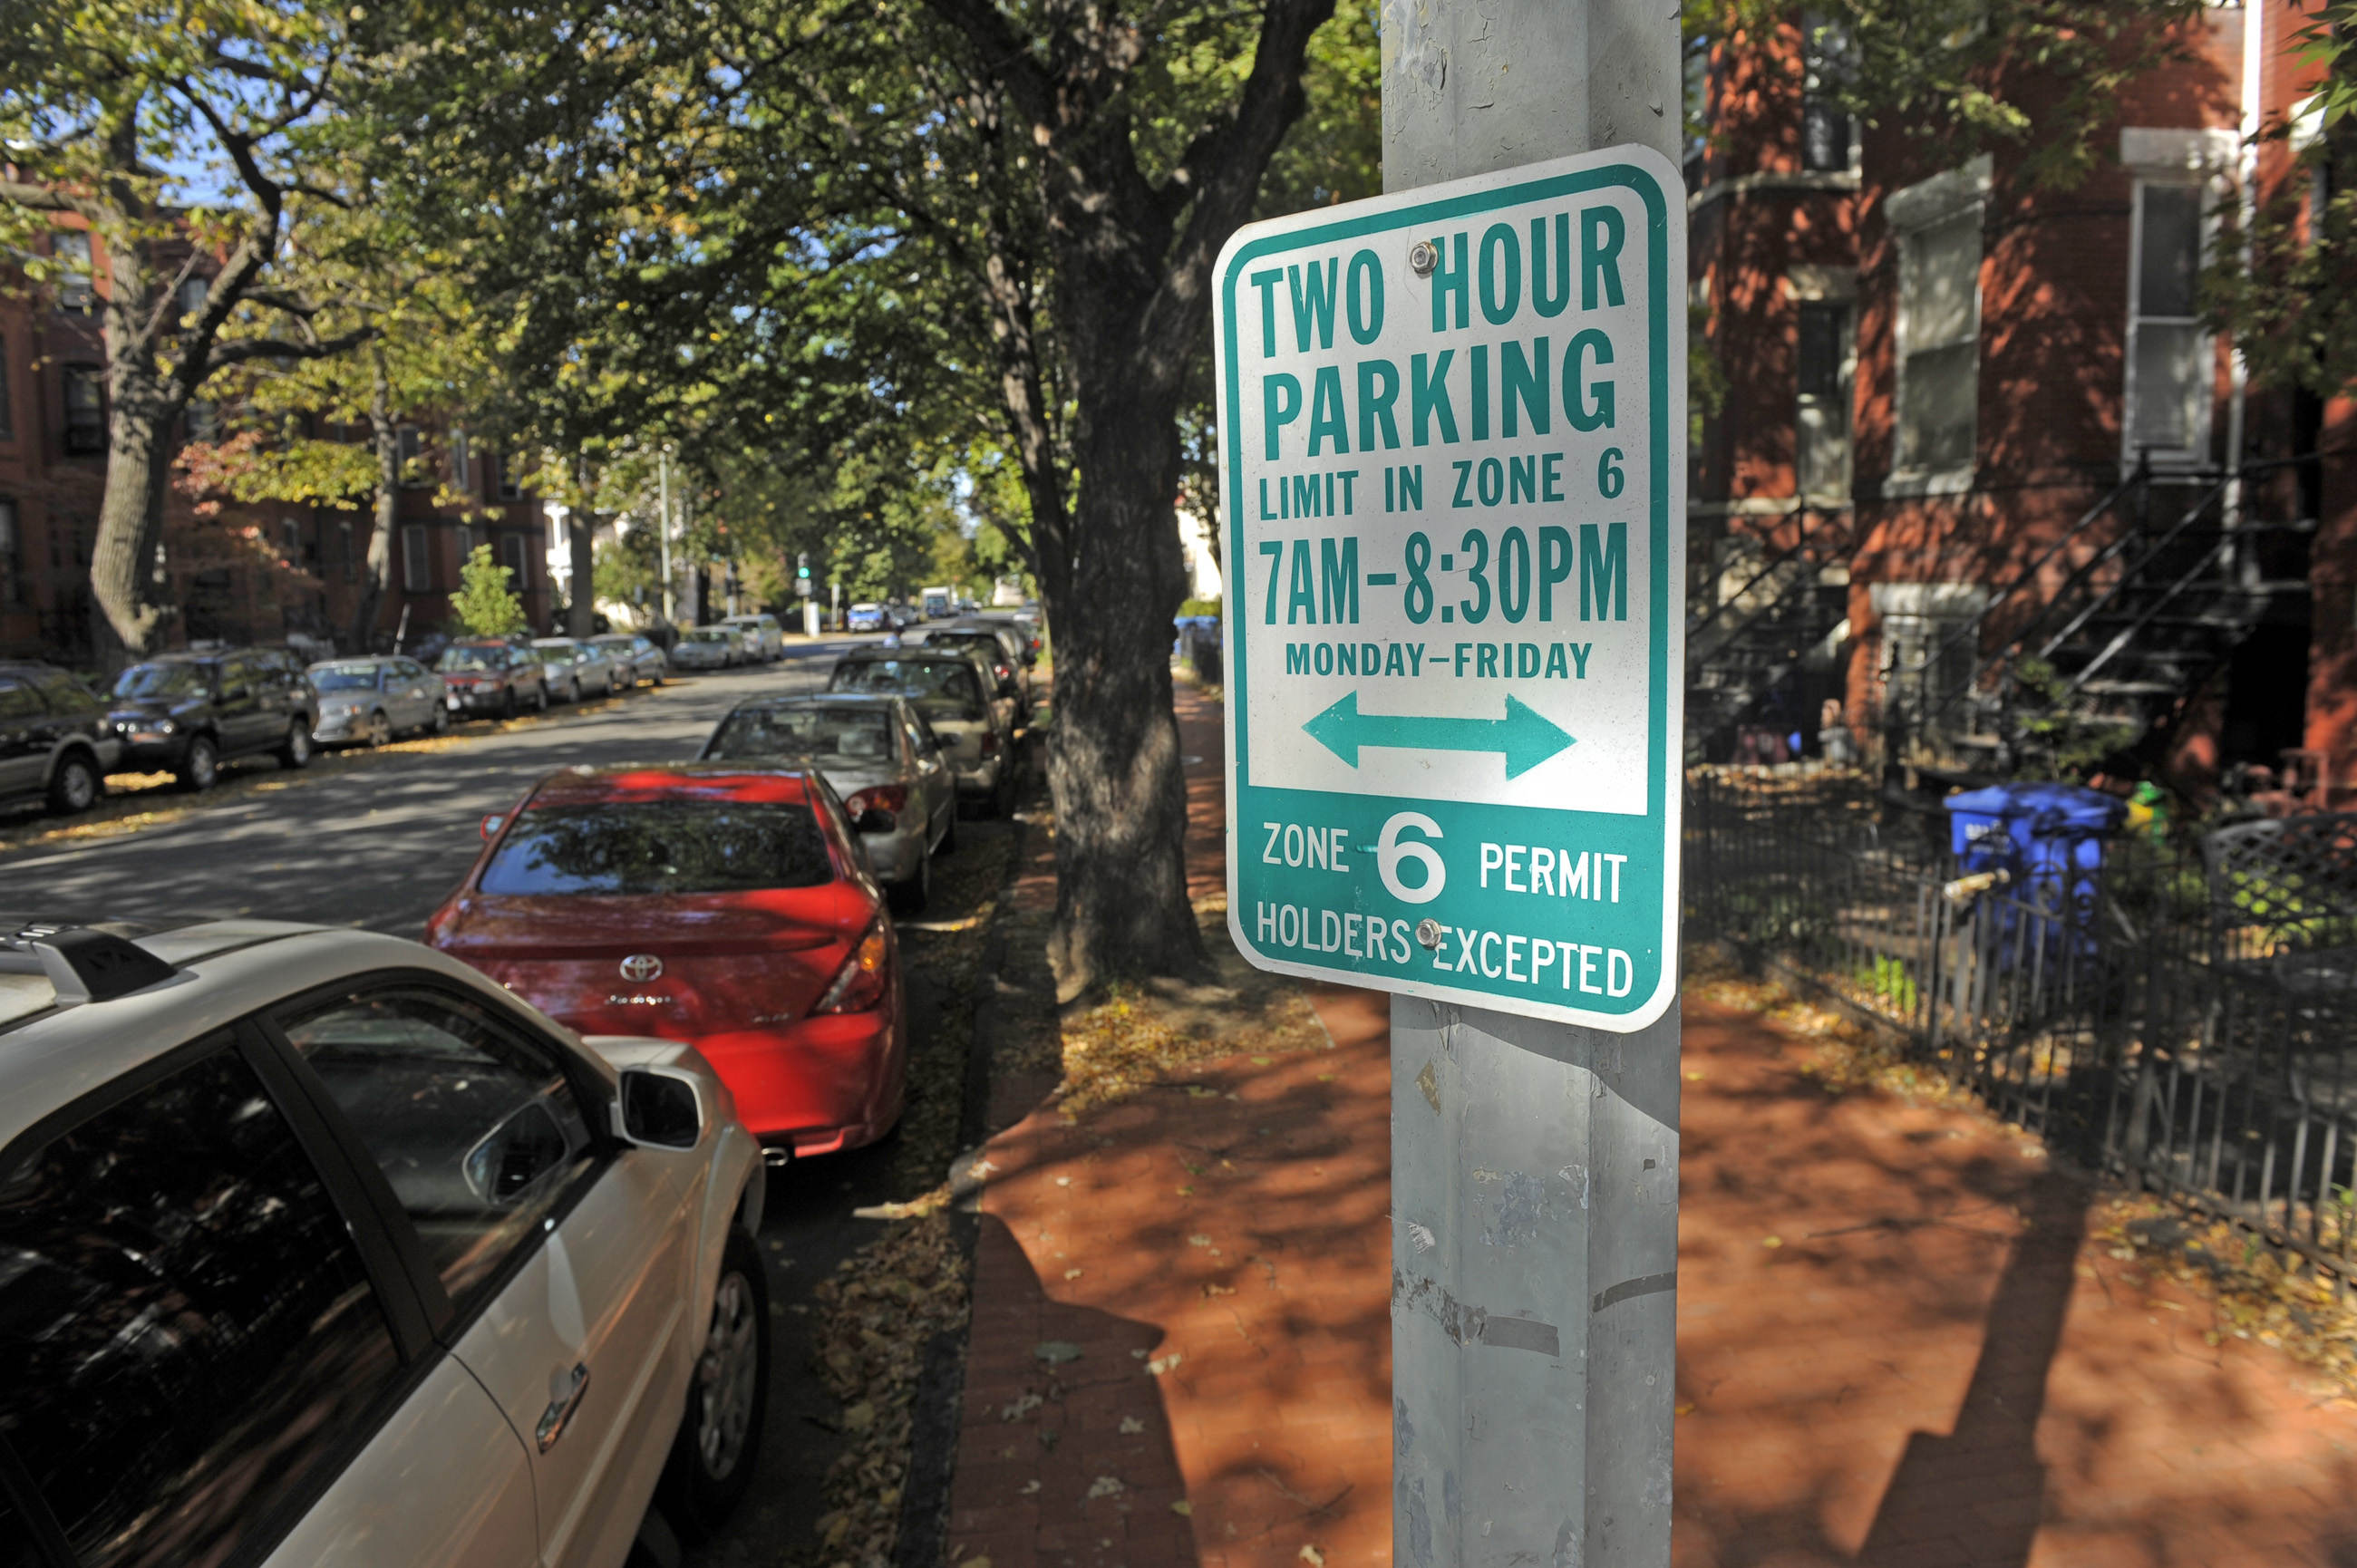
{"x": 1452, "y": 452}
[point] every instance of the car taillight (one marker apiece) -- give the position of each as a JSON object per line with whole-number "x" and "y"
{"x": 877, "y": 798}
{"x": 860, "y": 984}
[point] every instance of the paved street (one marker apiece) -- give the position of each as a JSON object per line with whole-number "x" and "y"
{"x": 375, "y": 846}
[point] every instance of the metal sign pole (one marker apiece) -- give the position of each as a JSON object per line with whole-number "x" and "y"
{"x": 1535, "y": 1175}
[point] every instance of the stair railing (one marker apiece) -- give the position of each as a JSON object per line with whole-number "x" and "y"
{"x": 2095, "y": 606}
{"x": 1774, "y": 564}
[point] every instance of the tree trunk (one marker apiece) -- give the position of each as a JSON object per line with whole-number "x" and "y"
{"x": 378, "y": 575}
{"x": 131, "y": 510}
{"x": 581, "y": 603}
{"x": 1114, "y": 766}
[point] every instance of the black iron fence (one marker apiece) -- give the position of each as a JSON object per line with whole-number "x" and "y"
{"x": 2182, "y": 1016}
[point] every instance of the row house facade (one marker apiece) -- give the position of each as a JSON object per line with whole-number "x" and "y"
{"x": 235, "y": 573}
{"x": 1981, "y": 474}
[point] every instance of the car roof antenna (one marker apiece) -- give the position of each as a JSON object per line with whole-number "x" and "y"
{"x": 82, "y": 965}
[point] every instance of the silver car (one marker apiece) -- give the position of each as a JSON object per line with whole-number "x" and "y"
{"x": 707, "y": 648}
{"x": 367, "y": 701}
{"x": 577, "y": 669}
{"x": 324, "y": 1249}
{"x": 635, "y": 657}
{"x": 956, "y": 694}
{"x": 880, "y": 755}
{"x": 764, "y": 637}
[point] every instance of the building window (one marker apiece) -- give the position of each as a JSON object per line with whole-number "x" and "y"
{"x": 410, "y": 444}
{"x": 8, "y": 410}
{"x": 290, "y": 537}
{"x": 466, "y": 544}
{"x": 415, "y": 576}
{"x": 72, "y": 253}
{"x": 1696, "y": 68}
{"x": 2168, "y": 359}
{"x": 462, "y": 467}
{"x": 85, "y": 431}
{"x": 1826, "y": 129}
{"x": 1939, "y": 227}
{"x": 344, "y": 548}
{"x": 508, "y": 473}
{"x": 190, "y": 294}
{"x": 1826, "y": 357}
{"x": 11, "y": 554}
{"x": 517, "y": 559}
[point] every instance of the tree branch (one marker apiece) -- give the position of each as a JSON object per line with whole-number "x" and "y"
{"x": 240, "y": 349}
{"x": 41, "y": 199}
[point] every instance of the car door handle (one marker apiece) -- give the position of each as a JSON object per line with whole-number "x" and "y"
{"x": 559, "y": 1413}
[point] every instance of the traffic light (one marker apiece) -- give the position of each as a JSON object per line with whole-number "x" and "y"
{"x": 802, "y": 568}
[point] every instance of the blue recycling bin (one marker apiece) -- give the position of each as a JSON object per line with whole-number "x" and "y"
{"x": 2049, "y": 838}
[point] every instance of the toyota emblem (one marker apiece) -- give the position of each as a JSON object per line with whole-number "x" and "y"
{"x": 642, "y": 966}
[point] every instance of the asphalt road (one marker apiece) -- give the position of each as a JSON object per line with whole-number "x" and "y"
{"x": 378, "y": 846}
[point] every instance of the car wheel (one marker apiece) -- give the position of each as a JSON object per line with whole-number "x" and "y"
{"x": 441, "y": 725}
{"x": 201, "y": 769}
{"x": 911, "y": 897}
{"x": 540, "y": 704}
{"x": 296, "y": 751}
{"x": 719, "y": 1443}
{"x": 75, "y": 786}
{"x": 380, "y": 731}
{"x": 508, "y": 706}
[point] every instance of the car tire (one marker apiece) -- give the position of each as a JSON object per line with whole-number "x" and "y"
{"x": 294, "y": 751}
{"x": 441, "y": 725}
{"x": 379, "y": 730}
{"x": 909, "y": 898}
{"x": 75, "y": 786}
{"x": 719, "y": 1443}
{"x": 541, "y": 705}
{"x": 200, "y": 769}
{"x": 508, "y": 706}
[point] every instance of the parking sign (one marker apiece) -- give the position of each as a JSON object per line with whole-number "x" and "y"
{"x": 1452, "y": 450}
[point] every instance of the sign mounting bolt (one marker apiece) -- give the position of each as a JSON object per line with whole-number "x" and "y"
{"x": 1429, "y": 932}
{"x": 1422, "y": 257}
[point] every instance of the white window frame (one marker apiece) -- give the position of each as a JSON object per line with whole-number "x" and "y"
{"x": 462, "y": 467}
{"x": 1910, "y": 212}
{"x": 1808, "y": 285}
{"x": 2201, "y": 159}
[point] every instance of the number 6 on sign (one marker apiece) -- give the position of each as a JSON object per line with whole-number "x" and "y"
{"x": 1390, "y": 852}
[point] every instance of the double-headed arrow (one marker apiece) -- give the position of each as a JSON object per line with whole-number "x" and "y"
{"x": 1526, "y": 736}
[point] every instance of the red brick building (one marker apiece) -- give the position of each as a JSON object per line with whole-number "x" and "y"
{"x": 1971, "y": 480}
{"x": 237, "y": 572}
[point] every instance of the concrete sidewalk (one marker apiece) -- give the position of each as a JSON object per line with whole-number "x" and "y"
{"x": 1897, "y": 1345}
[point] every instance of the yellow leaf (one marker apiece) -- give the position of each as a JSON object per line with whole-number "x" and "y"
{"x": 1073, "y": 1273}
{"x": 1182, "y": 1507}
{"x": 1772, "y": 1241}
{"x": 1311, "y": 1555}
{"x": 859, "y": 1417}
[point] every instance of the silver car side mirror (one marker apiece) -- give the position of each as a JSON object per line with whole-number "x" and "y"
{"x": 659, "y": 1109}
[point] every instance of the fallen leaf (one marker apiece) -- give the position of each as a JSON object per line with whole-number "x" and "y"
{"x": 859, "y": 1417}
{"x": 1325, "y": 1077}
{"x": 1219, "y": 1290}
{"x": 1262, "y": 1061}
{"x": 1063, "y": 1181}
{"x": 1182, "y": 1507}
{"x": 1311, "y": 1555}
{"x": 1772, "y": 1241}
{"x": 1073, "y": 1273}
{"x": 1186, "y": 1192}
{"x": 1106, "y": 1486}
{"x": 1685, "y": 1409}
{"x": 1028, "y": 1489}
{"x": 982, "y": 1561}
{"x": 1198, "y": 1241}
{"x": 1020, "y": 1408}
{"x": 1693, "y": 1077}
{"x": 1161, "y": 1364}
{"x": 1196, "y": 1092}
{"x": 1056, "y": 1351}
{"x": 1131, "y": 1426}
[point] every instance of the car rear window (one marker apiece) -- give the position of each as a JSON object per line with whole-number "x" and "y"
{"x": 644, "y": 847}
{"x": 935, "y": 685}
{"x": 827, "y": 734}
{"x": 158, "y": 680}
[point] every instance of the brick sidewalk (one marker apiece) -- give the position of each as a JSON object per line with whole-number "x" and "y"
{"x": 1895, "y": 1346}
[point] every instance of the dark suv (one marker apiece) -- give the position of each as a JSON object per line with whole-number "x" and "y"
{"x": 186, "y": 713}
{"x": 55, "y": 741}
{"x": 487, "y": 676}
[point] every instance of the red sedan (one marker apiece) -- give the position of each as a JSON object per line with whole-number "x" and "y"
{"x": 722, "y": 903}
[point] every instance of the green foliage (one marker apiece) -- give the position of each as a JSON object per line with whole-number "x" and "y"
{"x": 1886, "y": 979}
{"x": 484, "y": 604}
{"x": 2053, "y": 735}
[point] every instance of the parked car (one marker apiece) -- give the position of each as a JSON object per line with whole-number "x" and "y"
{"x": 1000, "y": 647}
{"x": 485, "y": 676}
{"x": 877, "y": 752}
{"x": 577, "y": 669}
{"x": 953, "y": 691}
{"x": 367, "y": 701}
{"x": 186, "y": 713}
{"x": 322, "y": 1248}
{"x": 707, "y": 648}
{"x": 764, "y": 636}
{"x": 57, "y": 743}
{"x": 866, "y": 618}
{"x": 724, "y": 904}
{"x": 636, "y": 658}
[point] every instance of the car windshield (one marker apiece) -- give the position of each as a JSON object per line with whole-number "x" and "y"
{"x": 706, "y": 634}
{"x": 935, "y": 685}
{"x": 641, "y": 848}
{"x": 981, "y": 640}
{"x": 346, "y": 678}
{"x": 559, "y": 655}
{"x": 824, "y": 735}
{"x": 158, "y": 680}
{"x": 465, "y": 658}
